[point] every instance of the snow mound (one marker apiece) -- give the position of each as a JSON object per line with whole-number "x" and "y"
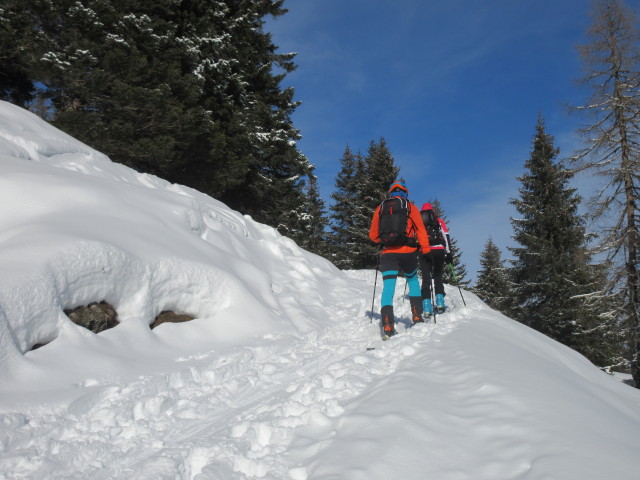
{"x": 282, "y": 375}
{"x": 80, "y": 228}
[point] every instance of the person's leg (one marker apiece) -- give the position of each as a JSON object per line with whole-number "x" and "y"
{"x": 425, "y": 267}
{"x": 389, "y": 268}
{"x": 409, "y": 265}
{"x": 438, "y": 269}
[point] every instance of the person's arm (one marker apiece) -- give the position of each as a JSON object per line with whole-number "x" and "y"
{"x": 445, "y": 234}
{"x": 374, "y": 230}
{"x": 447, "y": 242}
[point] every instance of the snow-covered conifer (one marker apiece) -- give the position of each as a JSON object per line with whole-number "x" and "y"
{"x": 493, "y": 285}
{"x": 557, "y": 289}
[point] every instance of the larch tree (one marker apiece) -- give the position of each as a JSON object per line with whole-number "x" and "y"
{"x": 611, "y": 58}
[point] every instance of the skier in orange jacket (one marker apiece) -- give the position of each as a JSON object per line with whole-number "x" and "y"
{"x": 397, "y": 225}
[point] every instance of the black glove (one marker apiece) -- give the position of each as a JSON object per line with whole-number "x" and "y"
{"x": 428, "y": 257}
{"x": 448, "y": 258}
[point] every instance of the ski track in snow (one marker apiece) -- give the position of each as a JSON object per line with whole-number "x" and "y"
{"x": 230, "y": 416}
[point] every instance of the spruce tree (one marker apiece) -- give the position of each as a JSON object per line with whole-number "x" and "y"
{"x": 493, "y": 285}
{"x": 341, "y": 216}
{"x": 612, "y": 151}
{"x": 378, "y": 173}
{"x": 189, "y": 91}
{"x": 16, "y": 84}
{"x": 552, "y": 274}
{"x": 121, "y": 80}
{"x": 122, "y": 76}
{"x": 273, "y": 184}
{"x": 312, "y": 233}
{"x": 361, "y": 185}
{"x": 459, "y": 268}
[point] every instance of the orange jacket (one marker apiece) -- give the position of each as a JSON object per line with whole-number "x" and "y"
{"x": 415, "y": 229}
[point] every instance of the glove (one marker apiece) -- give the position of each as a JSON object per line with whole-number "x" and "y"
{"x": 448, "y": 258}
{"x": 428, "y": 257}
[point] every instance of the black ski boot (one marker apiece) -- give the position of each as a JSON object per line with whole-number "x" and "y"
{"x": 416, "y": 309}
{"x": 388, "y": 323}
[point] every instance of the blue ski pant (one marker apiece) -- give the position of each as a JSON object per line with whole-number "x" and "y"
{"x": 391, "y": 264}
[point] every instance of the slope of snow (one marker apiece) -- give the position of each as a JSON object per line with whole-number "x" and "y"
{"x": 282, "y": 375}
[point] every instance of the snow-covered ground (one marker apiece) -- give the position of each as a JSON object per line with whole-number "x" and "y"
{"x": 282, "y": 375}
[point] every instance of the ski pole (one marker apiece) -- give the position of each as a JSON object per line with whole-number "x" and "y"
{"x": 404, "y": 294}
{"x": 434, "y": 309}
{"x": 373, "y": 298}
{"x": 457, "y": 283}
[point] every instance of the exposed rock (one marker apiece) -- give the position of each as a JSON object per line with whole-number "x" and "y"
{"x": 100, "y": 316}
{"x": 172, "y": 317}
{"x": 96, "y": 317}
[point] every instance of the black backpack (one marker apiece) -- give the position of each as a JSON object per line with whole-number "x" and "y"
{"x": 433, "y": 227}
{"x": 392, "y": 225}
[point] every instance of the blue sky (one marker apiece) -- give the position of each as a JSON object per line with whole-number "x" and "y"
{"x": 455, "y": 87}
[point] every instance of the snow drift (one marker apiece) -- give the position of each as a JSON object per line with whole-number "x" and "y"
{"x": 282, "y": 374}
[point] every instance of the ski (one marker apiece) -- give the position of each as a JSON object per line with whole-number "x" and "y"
{"x": 386, "y": 336}
{"x": 428, "y": 317}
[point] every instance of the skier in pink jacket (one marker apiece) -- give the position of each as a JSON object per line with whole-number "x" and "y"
{"x": 432, "y": 265}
